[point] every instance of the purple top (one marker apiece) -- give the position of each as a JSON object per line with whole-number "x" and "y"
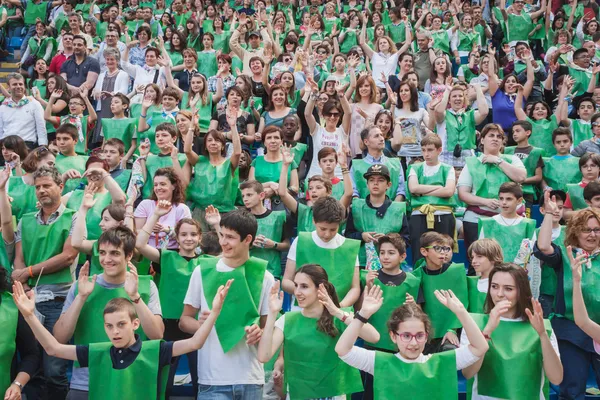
{"x": 503, "y": 107}
{"x": 146, "y": 208}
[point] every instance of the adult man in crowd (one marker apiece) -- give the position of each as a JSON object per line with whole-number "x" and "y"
{"x": 80, "y": 69}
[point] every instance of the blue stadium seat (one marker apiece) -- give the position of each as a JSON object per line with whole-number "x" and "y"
{"x": 15, "y": 42}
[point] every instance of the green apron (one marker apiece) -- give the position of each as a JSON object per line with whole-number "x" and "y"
{"x": 154, "y": 163}
{"x": 393, "y": 297}
{"x": 530, "y": 163}
{"x": 243, "y": 301}
{"x": 515, "y": 352}
{"x": 23, "y": 195}
{"x": 438, "y": 179}
{"x": 95, "y": 267}
{"x": 575, "y": 193}
{"x": 509, "y": 237}
{"x": 265, "y": 171}
{"x": 312, "y": 368}
{"x": 519, "y": 27}
{"x": 122, "y": 129}
{"x": 305, "y": 218}
{"x": 299, "y": 150}
{"x": 204, "y": 111}
{"x": 549, "y": 279}
{"x": 139, "y": 381}
{"x": 436, "y": 378}
{"x": 154, "y": 120}
{"x": 41, "y": 242}
{"x": 175, "y": 274}
{"x": 460, "y": 129}
{"x": 176, "y": 57}
{"x": 271, "y": 227}
{"x": 441, "y": 41}
{"x": 337, "y": 191}
{"x": 590, "y": 281}
{"x": 397, "y": 32}
{"x": 181, "y": 19}
{"x": 455, "y": 279}
{"x": 560, "y": 172}
{"x": 9, "y": 315}
{"x": 222, "y": 41}
{"x": 60, "y": 22}
{"x": 214, "y": 185}
{"x": 466, "y": 40}
{"x": 207, "y": 63}
{"x": 476, "y": 298}
{"x": 350, "y": 40}
{"x": 366, "y": 220}
{"x": 487, "y": 178}
{"x": 582, "y": 80}
{"x": 34, "y": 11}
{"x": 338, "y": 263}
{"x": 63, "y": 164}
{"x": 80, "y": 147}
{"x": 5, "y": 262}
{"x": 123, "y": 179}
{"x": 541, "y": 135}
{"x": 360, "y": 167}
{"x": 330, "y": 23}
{"x": 581, "y": 131}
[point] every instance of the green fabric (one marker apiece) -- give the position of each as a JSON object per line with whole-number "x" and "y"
{"x": 207, "y": 63}
{"x": 271, "y": 227}
{"x": 436, "y": 378}
{"x": 94, "y": 215}
{"x": 38, "y": 50}
{"x": 213, "y": 185}
{"x": 509, "y": 237}
{"x": 519, "y": 27}
{"x": 34, "y": 11}
{"x": 175, "y": 275}
{"x": 312, "y": 368}
{"x": 366, "y": 220}
{"x": 123, "y": 179}
{"x": 95, "y": 267}
{"x": 154, "y": 120}
{"x": 460, "y": 130}
{"x": 330, "y": 23}
{"x": 466, "y": 40}
{"x": 9, "y": 315}
{"x": 559, "y": 172}
{"x": 80, "y": 147}
{"x": 176, "y": 57}
{"x": 467, "y": 72}
{"x": 181, "y": 19}
{"x": 397, "y": 32}
{"x": 299, "y": 150}
{"x": 530, "y": 162}
{"x": 204, "y": 111}
{"x": 337, "y": 191}
{"x": 350, "y": 40}
{"x": 265, "y": 171}
{"x": 5, "y": 262}
{"x": 41, "y": 242}
{"x": 305, "y": 218}
{"x": 23, "y": 195}
{"x": 549, "y": 279}
{"x": 515, "y": 351}
{"x": 582, "y": 80}
{"x": 222, "y": 41}
{"x": 575, "y": 193}
{"x": 455, "y": 279}
{"x": 441, "y": 41}
{"x": 139, "y": 381}
{"x": 541, "y": 135}
{"x": 439, "y": 179}
{"x": 476, "y": 298}
{"x": 122, "y": 129}
{"x": 241, "y": 308}
{"x": 590, "y": 281}
{"x": 581, "y": 131}
{"x": 487, "y": 178}
{"x": 63, "y": 164}
{"x": 338, "y": 263}
{"x": 360, "y": 167}
{"x": 153, "y": 163}
{"x": 393, "y": 297}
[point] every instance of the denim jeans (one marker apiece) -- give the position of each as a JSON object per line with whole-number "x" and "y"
{"x": 230, "y": 392}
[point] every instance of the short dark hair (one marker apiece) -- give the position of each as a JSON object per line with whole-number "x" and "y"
{"x": 189, "y": 221}
{"x": 171, "y": 92}
{"x": 167, "y": 127}
{"x": 119, "y": 304}
{"x": 591, "y": 190}
{"x": 254, "y": 185}
{"x": 209, "y": 244}
{"x": 429, "y": 238}
{"x": 326, "y": 151}
{"x": 395, "y": 240}
{"x": 120, "y": 237}
{"x": 242, "y": 222}
{"x": 68, "y": 129}
{"x": 114, "y": 142}
{"x": 562, "y": 131}
{"x": 526, "y": 125}
{"x": 328, "y": 210}
{"x": 558, "y": 194}
{"x": 178, "y": 190}
{"x": 595, "y": 157}
{"x": 50, "y": 172}
{"x": 511, "y": 187}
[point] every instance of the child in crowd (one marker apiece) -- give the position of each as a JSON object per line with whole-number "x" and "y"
{"x": 120, "y": 126}
{"x": 485, "y": 254}
{"x": 562, "y": 168}
{"x": 113, "y": 152}
{"x": 589, "y": 166}
{"x": 68, "y": 162}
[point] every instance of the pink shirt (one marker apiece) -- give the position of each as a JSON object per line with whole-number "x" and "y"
{"x": 146, "y": 208}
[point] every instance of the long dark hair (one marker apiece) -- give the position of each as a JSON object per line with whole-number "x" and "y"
{"x": 178, "y": 191}
{"x": 414, "y": 96}
{"x": 318, "y": 275}
{"x": 521, "y": 279}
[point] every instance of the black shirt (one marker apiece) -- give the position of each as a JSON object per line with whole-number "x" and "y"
{"x": 397, "y": 280}
{"x": 77, "y": 73}
{"x": 123, "y": 358}
{"x": 184, "y": 78}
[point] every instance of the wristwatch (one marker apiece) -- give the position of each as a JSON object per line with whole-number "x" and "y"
{"x": 500, "y": 161}
{"x": 17, "y": 383}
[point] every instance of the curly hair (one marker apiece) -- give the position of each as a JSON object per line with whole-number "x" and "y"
{"x": 577, "y": 224}
{"x": 178, "y": 191}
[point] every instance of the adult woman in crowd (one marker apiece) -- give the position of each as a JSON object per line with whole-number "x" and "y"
{"x": 364, "y": 108}
{"x": 244, "y": 122}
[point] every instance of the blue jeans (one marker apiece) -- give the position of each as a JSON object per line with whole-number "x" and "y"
{"x": 29, "y": 34}
{"x": 230, "y": 392}
{"x": 55, "y": 369}
{"x": 577, "y": 363}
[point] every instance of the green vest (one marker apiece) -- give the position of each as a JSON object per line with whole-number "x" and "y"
{"x": 9, "y": 315}
{"x": 80, "y": 147}
{"x": 350, "y": 40}
{"x": 437, "y": 179}
{"x": 338, "y": 263}
{"x": 299, "y": 150}
{"x": 123, "y": 179}
{"x": 436, "y": 378}
{"x": 441, "y": 41}
{"x": 487, "y": 178}
{"x": 23, "y": 195}
{"x": 360, "y": 167}
{"x": 393, "y": 297}
{"x": 242, "y": 306}
{"x": 460, "y": 130}
{"x": 337, "y": 191}
{"x": 312, "y": 367}
{"x": 582, "y": 80}
{"x": 63, "y": 164}
{"x": 95, "y": 267}
{"x": 476, "y": 298}
{"x": 519, "y": 27}
{"x": 541, "y": 135}
{"x": 270, "y": 227}
{"x": 41, "y": 242}
{"x": 589, "y": 286}
{"x": 549, "y": 279}
{"x": 154, "y": 120}
{"x": 222, "y": 41}
{"x": 207, "y": 63}
{"x": 305, "y": 218}
{"x": 515, "y": 351}
{"x": 366, "y": 220}
{"x": 530, "y": 163}
{"x": 466, "y": 40}
{"x": 154, "y": 163}
{"x": 265, "y": 171}
{"x": 397, "y": 32}
{"x": 581, "y": 131}
{"x": 122, "y": 129}
{"x": 559, "y": 172}
{"x": 139, "y": 381}
{"x": 181, "y": 19}
{"x": 204, "y": 111}
{"x": 575, "y": 193}
{"x": 39, "y": 49}
{"x": 34, "y": 11}
{"x": 455, "y": 279}
{"x": 214, "y": 185}
{"x": 175, "y": 274}
{"x": 94, "y": 215}
{"x": 509, "y": 237}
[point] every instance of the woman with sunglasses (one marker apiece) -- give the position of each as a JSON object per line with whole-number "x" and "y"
{"x": 521, "y": 342}
{"x": 327, "y": 133}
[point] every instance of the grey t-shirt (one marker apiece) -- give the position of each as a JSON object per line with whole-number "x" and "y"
{"x": 80, "y": 377}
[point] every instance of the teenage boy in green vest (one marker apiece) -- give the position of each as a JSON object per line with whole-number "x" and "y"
{"x": 166, "y": 136}
{"x": 45, "y": 258}
{"x": 149, "y": 124}
{"x": 531, "y": 158}
{"x": 68, "y": 163}
{"x": 431, "y": 187}
{"x": 508, "y": 228}
{"x": 81, "y": 317}
{"x": 589, "y": 166}
{"x": 125, "y": 367}
{"x": 562, "y": 168}
{"x": 377, "y": 215}
{"x": 325, "y": 246}
{"x": 113, "y": 152}
{"x": 85, "y": 123}
{"x": 519, "y": 23}
{"x": 438, "y": 273}
{"x": 274, "y": 229}
{"x": 229, "y": 357}
{"x": 120, "y": 127}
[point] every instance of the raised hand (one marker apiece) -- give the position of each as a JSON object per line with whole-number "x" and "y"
{"x": 342, "y": 157}
{"x": 576, "y": 264}
{"x": 550, "y": 206}
{"x": 163, "y": 207}
{"x": 253, "y": 334}
{"x": 287, "y": 156}
{"x": 88, "y": 197}
{"x": 409, "y": 299}
{"x": 4, "y": 176}
{"x": 276, "y": 298}
{"x": 57, "y": 94}
{"x": 449, "y": 300}
{"x": 212, "y": 216}
{"x": 71, "y": 174}
{"x": 326, "y": 300}
{"x": 219, "y": 299}
{"x": 536, "y": 319}
{"x": 499, "y": 309}
{"x": 372, "y": 301}
{"x": 85, "y": 286}
{"x": 95, "y": 174}
{"x": 370, "y": 280}
{"x": 25, "y": 302}
{"x": 144, "y": 148}
{"x": 131, "y": 282}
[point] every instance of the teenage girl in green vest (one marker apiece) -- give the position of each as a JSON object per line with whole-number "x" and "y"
{"x": 521, "y": 347}
{"x": 143, "y": 378}
{"x": 485, "y": 254}
{"x": 409, "y": 371}
{"x": 309, "y": 336}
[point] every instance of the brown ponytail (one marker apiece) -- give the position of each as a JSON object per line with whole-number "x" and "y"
{"x": 319, "y": 276}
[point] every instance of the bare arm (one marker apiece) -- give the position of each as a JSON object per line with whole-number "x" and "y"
{"x": 141, "y": 241}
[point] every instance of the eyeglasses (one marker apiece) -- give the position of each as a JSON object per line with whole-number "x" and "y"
{"x": 75, "y": 103}
{"x": 323, "y": 99}
{"x": 406, "y": 337}
{"x": 332, "y": 115}
{"x": 587, "y": 231}
{"x": 321, "y": 52}
{"x": 440, "y": 249}
{"x": 595, "y": 123}
{"x": 287, "y": 60}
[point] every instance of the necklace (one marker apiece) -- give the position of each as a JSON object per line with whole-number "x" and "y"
{"x": 514, "y": 222}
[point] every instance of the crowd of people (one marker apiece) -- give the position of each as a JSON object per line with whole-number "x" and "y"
{"x": 259, "y": 184}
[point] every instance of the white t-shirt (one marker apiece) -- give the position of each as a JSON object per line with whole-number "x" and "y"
{"x": 322, "y": 139}
{"x": 386, "y": 64}
{"x": 239, "y": 366}
{"x": 430, "y": 170}
{"x": 464, "y": 341}
{"x": 502, "y": 221}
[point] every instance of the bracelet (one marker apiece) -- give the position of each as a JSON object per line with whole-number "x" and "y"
{"x": 18, "y": 384}
{"x": 136, "y": 301}
{"x": 344, "y": 317}
{"x": 486, "y": 336}
{"x": 451, "y": 330}
{"x": 130, "y": 215}
{"x": 360, "y": 317}
{"x": 142, "y": 116}
{"x": 345, "y": 171}
{"x": 149, "y": 234}
{"x": 275, "y": 245}
{"x": 30, "y": 269}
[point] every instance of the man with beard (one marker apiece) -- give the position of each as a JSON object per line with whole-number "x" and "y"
{"x": 80, "y": 69}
